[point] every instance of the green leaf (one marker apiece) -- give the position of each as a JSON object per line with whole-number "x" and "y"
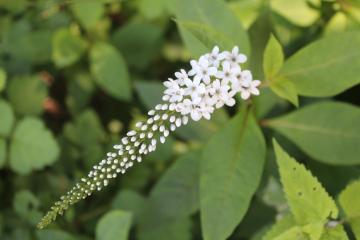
{"x": 115, "y": 225}
{"x": 139, "y": 53}
{"x": 213, "y": 13}
{"x": 3, "y": 152}
{"x": 152, "y": 9}
{"x": 176, "y": 194}
{"x": 2, "y": 79}
{"x": 26, "y": 206}
{"x": 273, "y": 58}
{"x": 285, "y": 89}
{"x": 326, "y": 131}
{"x": 27, "y": 94}
{"x": 296, "y": 11}
{"x": 129, "y": 201}
{"x": 207, "y": 36}
{"x": 350, "y": 202}
{"x": 110, "y": 71}
{"x": 67, "y": 48}
{"x": 88, "y": 12}
{"x": 308, "y": 200}
{"x": 54, "y": 234}
{"x": 32, "y": 146}
{"x": 6, "y": 118}
{"x": 231, "y": 169}
{"x": 337, "y": 233}
{"x": 326, "y": 67}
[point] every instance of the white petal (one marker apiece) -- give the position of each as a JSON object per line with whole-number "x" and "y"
{"x": 245, "y": 94}
{"x": 195, "y": 115}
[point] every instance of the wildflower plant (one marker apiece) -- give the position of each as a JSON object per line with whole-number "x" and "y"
{"x": 213, "y": 82}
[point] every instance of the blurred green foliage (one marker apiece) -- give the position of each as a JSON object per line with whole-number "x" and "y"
{"x": 76, "y": 74}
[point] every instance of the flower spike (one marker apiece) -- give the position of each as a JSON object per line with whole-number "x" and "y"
{"x": 213, "y": 82}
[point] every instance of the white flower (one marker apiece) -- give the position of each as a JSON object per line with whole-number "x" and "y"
{"x": 228, "y": 73}
{"x": 181, "y": 76}
{"x": 194, "y": 88}
{"x": 215, "y": 56}
{"x": 175, "y": 93}
{"x": 235, "y": 57}
{"x": 246, "y": 91}
{"x": 192, "y": 108}
{"x": 206, "y": 110}
{"x": 201, "y": 70}
{"x": 219, "y": 92}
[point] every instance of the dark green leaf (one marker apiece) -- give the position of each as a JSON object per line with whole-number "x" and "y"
{"x": 6, "y": 118}
{"x": 327, "y": 131}
{"x": 231, "y": 169}
{"x": 115, "y": 225}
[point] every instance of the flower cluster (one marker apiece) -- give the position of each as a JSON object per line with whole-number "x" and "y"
{"x": 212, "y": 82}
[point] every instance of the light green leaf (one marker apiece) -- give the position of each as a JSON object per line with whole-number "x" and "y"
{"x": 54, "y": 234}
{"x": 326, "y": 67}
{"x": 337, "y": 233}
{"x": 67, "y": 48}
{"x": 27, "y": 94}
{"x": 2, "y": 79}
{"x": 350, "y": 202}
{"x": 326, "y": 131}
{"x": 246, "y": 10}
{"x": 284, "y": 224}
{"x": 176, "y": 194}
{"x": 6, "y": 118}
{"x": 292, "y": 234}
{"x": 296, "y": 11}
{"x": 115, "y": 225}
{"x": 285, "y": 89}
{"x": 273, "y": 58}
{"x": 152, "y": 9}
{"x": 308, "y": 200}
{"x": 88, "y": 12}
{"x": 110, "y": 71}
{"x": 32, "y": 146}
{"x": 231, "y": 169}
{"x": 3, "y": 152}
{"x": 213, "y": 13}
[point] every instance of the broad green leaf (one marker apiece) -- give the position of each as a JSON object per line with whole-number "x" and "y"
{"x": 27, "y": 94}
{"x": 326, "y": 131}
{"x": 308, "y": 200}
{"x": 216, "y": 15}
{"x": 292, "y": 234}
{"x": 340, "y": 23}
{"x": 273, "y": 58}
{"x": 115, "y": 225}
{"x": 138, "y": 53}
{"x": 285, "y": 89}
{"x": 6, "y": 118}
{"x": 3, "y": 152}
{"x": 231, "y": 169}
{"x": 26, "y": 206}
{"x": 282, "y": 225}
{"x": 67, "y": 48}
{"x": 110, "y": 71}
{"x": 88, "y": 12}
{"x": 350, "y": 202}
{"x": 129, "y": 201}
{"x": 2, "y": 79}
{"x": 326, "y": 67}
{"x": 296, "y": 11}
{"x": 176, "y": 194}
{"x": 32, "y": 146}
{"x": 54, "y": 234}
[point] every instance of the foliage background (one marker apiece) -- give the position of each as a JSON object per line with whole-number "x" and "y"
{"x": 75, "y": 75}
